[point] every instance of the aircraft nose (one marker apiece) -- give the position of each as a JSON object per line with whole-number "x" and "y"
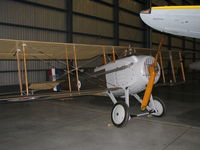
{"x": 148, "y": 11}
{"x": 145, "y": 15}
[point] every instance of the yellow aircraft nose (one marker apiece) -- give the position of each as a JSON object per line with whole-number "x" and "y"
{"x": 148, "y": 11}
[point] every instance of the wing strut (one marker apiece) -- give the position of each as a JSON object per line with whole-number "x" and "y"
{"x": 152, "y": 71}
{"x": 172, "y": 66}
{"x": 19, "y": 68}
{"x": 113, "y": 54}
{"x": 162, "y": 68}
{"x": 76, "y": 68}
{"x": 68, "y": 71}
{"x": 25, "y": 69}
{"x": 182, "y": 67}
{"x": 104, "y": 56}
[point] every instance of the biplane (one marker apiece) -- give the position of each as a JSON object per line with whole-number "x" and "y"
{"x": 117, "y": 71}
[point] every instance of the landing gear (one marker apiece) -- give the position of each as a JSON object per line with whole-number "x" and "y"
{"x": 159, "y": 106}
{"x": 120, "y": 114}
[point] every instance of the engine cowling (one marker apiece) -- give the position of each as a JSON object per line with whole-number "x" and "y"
{"x": 129, "y": 72}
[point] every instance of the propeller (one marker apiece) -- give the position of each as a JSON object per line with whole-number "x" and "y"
{"x": 153, "y": 72}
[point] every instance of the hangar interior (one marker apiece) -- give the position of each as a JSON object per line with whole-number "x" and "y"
{"x": 84, "y": 122}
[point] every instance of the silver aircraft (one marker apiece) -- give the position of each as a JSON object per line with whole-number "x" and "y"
{"x": 177, "y": 20}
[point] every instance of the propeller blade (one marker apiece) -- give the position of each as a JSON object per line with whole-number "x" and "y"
{"x": 150, "y": 84}
{"x": 149, "y": 87}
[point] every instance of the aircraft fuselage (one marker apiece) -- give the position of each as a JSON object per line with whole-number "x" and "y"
{"x": 129, "y": 72}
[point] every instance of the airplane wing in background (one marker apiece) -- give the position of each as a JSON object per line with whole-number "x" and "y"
{"x": 177, "y": 20}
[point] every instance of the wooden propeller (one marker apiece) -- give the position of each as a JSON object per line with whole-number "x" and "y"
{"x": 152, "y": 72}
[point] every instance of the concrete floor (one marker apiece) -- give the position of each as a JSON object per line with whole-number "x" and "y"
{"x": 84, "y": 124}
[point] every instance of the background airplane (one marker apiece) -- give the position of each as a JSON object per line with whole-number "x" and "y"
{"x": 177, "y": 20}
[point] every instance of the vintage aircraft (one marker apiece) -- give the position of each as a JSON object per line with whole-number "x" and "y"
{"x": 129, "y": 71}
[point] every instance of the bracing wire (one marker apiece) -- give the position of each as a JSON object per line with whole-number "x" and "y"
{"x": 64, "y": 63}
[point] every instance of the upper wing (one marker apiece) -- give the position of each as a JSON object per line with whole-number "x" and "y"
{"x": 53, "y": 50}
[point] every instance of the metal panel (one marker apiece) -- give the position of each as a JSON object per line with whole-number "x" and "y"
{"x": 160, "y": 3}
{"x": 116, "y": 21}
{"x": 45, "y": 65}
{"x": 11, "y": 65}
{"x": 8, "y": 65}
{"x": 36, "y": 71}
{"x": 92, "y": 8}
{"x": 130, "y": 19}
{"x": 24, "y": 14}
{"x": 92, "y": 40}
{"x": 108, "y": 1}
{"x": 156, "y": 47}
{"x": 198, "y": 54}
{"x": 178, "y": 2}
{"x": 11, "y": 78}
{"x": 54, "y": 3}
{"x": 20, "y": 14}
{"x": 87, "y": 25}
{"x": 187, "y": 62}
{"x": 8, "y": 78}
{"x": 157, "y": 36}
{"x": 198, "y": 47}
{"x": 188, "y": 45}
{"x": 11, "y": 32}
{"x": 131, "y": 5}
{"x": 176, "y": 42}
{"x": 130, "y": 34}
{"x": 49, "y": 19}
{"x": 130, "y": 43}
{"x": 123, "y": 43}
{"x": 37, "y": 76}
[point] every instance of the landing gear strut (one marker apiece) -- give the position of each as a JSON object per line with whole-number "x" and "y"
{"x": 120, "y": 113}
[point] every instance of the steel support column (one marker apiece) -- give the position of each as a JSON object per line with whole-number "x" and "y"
{"x": 69, "y": 20}
{"x": 116, "y": 21}
{"x": 194, "y": 49}
{"x": 183, "y": 49}
{"x": 148, "y": 32}
{"x": 169, "y": 48}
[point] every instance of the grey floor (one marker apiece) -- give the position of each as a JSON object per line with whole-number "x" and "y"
{"x": 84, "y": 124}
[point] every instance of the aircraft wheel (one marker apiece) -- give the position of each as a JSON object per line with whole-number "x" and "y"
{"x": 120, "y": 114}
{"x": 159, "y": 106}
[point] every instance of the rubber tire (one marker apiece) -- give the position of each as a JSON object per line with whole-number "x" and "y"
{"x": 126, "y": 117}
{"x": 163, "y": 106}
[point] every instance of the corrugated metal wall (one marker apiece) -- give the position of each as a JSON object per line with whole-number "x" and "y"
{"x": 37, "y": 70}
{"x": 24, "y": 21}
{"x": 31, "y": 21}
{"x": 93, "y": 22}
{"x": 131, "y": 29}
